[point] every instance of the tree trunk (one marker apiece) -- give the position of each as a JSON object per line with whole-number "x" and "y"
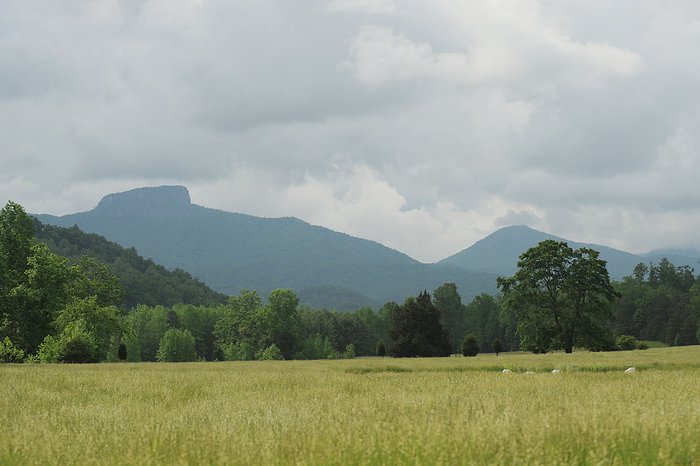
{"x": 569, "y": 341}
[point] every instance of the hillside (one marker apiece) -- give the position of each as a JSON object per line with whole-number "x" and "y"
{"x": 498, "y": 253}
{"x": 233, "y": 251}
{"x": 144, "y": 281}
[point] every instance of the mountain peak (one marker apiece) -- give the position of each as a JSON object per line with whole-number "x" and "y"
{"x": 518, "y": 229}
{"x": 147, "y": 200}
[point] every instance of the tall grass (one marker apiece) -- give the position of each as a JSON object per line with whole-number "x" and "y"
{"x": 365, "y": 411}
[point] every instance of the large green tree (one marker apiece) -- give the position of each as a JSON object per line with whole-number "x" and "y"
{"x": 237, "y": 332}
{"x": 482, "y": 321}
{"x": 279, "y": 322}
{"x": 34, "y": 283}
{"x": 561, "y": 297}
{"x": 449, "y": 303}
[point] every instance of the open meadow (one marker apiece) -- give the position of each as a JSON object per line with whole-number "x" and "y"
{"x": 364, "y": 411}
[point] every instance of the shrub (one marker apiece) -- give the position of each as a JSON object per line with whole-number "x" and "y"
{"x": 270, "y": 353}
{"x": 469, "y": 346}
{"x": 381, "y": 349}
{"x": 76, "y": 344}
{"x": 497, "y": 346}
{"x": 642, "y": 346}
{"x": 349, "y": 352}
{"x": 49, "y": 351}
{"x": 9, "y": 353}
{"x": 626, "y": 342}
{"x": 316, "y": 347}
{"x": 603, "y": 343}
{"x": 133, "y": 348}
{"x": 238, "y": 351}
{"x": 177, "y": 346}
{"x": 78, "y": 350}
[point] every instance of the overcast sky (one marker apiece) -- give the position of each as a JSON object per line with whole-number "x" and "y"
{"x": 423, "y": 125}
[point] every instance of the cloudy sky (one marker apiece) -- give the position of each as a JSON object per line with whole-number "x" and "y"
{"x": 424, "y": 125}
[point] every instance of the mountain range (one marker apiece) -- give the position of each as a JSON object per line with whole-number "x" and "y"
{"x": 233, "y": 251}
{"x": 498, "y": 253}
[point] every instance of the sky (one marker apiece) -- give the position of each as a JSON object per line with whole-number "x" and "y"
{"x": 423, "y": 125}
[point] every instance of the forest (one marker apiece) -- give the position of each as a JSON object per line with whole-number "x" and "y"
{"x": 75, "y": 308}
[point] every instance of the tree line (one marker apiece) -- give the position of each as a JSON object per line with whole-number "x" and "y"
{"x": 56, "y": 310}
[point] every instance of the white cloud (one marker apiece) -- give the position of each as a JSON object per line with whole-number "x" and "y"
{"x": 380, "y": 56}
{"x": 372, "y": 7}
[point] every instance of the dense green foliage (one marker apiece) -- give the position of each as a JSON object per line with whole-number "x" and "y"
{"x": 449, "y": 303}
{"x": 271, "y": 353}
{"x": 381, "y": 349}
{"x": 485, "y": 320}
{"x": 247, "y": 329}
{"x": 9, "y": 353}
{"x": 148, "y": 325}
{"x": 144, "y": 281}
{"x": 659, "y": 302}
{"x": 626, "y": 342}
{"x": 42, "y": 294}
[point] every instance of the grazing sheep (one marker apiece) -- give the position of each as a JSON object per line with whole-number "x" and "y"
{"x": 507, "y": 371}
{"x": 630, "y": 370}
{"x": 556, "y": 371}
{"x": 529, "y": 373}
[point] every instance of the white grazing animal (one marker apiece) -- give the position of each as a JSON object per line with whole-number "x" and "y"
{"x": 556, "y": 371}
{"x": 630, "y": 370}
{"x": 529, "y": 373}
{"x": 507, "y": 371}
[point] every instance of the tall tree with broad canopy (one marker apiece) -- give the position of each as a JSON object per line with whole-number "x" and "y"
{"x": 561, "y": 297}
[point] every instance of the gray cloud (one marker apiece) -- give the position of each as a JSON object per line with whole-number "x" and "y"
{"x": 420, "y": 125}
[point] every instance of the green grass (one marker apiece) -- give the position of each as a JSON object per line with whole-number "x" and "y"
{"x": 654, "y": 344}
{"x": 365, "y": 411}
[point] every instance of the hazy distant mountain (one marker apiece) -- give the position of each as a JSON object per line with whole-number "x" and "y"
{"x": 498, "y": 253}
{"x": 686, "y": 252}
{"x": 232, "y": 251}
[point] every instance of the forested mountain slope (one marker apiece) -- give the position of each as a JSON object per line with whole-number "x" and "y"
{"x": 233, "y": 251}
{"x": 144, "y": 281}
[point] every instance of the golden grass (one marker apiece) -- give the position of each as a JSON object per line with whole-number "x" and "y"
{"x": 364, "y": 411}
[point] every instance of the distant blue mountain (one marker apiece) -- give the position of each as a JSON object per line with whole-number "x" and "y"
{"x": 498, "y": 253}
{"x": 686, "y": 252}
{"x": 233, "y": 251}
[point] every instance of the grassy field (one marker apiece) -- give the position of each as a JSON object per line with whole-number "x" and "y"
{"x": 364, "y": 411}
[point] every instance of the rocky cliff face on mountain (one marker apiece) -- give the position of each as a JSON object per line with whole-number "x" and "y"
{"x": 159, "y": 201}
